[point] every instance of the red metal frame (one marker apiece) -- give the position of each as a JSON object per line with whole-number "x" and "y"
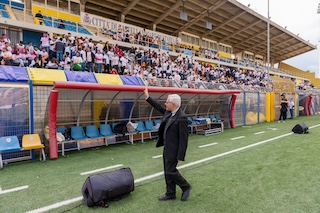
{"x": 95, "y": 86}
{"x": 53, "y": 102}
{"x": 233, "y": 103}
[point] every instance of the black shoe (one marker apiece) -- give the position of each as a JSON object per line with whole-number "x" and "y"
{"x": 185, "y": 194}
{"x": 166, "y": 197}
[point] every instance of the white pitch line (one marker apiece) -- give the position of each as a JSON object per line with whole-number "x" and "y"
{"x": 314, "y": 126}
{"x": 102, "y": 169}
{"x": 273, "y": 129}
{"x": 233, "y": 151}
{"x": 12, "y": 190}
{"x": 157, "y": 156}
{"x": 236, "y": 138}
{"x": 148, "y": 177}
{"x": 67, "y": 202}
{"x": 206, "y": 145}
{"x": 56, "y": 205}
{"x": 258, "y": 133}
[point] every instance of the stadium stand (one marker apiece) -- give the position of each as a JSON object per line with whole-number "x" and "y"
{"x": 185, "y": 65}
{"x": 4, "y": 12}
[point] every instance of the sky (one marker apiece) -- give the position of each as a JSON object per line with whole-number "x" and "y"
{"x": 300, "y": 17}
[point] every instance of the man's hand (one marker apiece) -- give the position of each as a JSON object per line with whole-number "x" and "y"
{"x": 146, "y": 93}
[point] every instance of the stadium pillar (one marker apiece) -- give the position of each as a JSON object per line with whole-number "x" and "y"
{"x": 82, "y": 5}
{"x": 28, "y": 5}
{"x": 122, "y": 18}
{"x": 154, "y": 27}
{"x": 268, "y": 48}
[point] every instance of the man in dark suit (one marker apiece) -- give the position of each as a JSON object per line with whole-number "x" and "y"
{"x": 173, "y": 135}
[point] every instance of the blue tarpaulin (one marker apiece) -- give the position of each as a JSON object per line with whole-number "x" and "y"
{"x": 13, "y": 74}
{"x": 131, "y": 80}
{"x": 81, "y": 76}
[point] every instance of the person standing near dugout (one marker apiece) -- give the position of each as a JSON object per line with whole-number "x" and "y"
{"x": 291, "y": 108}
{"x": 173, "y": 135}
{"x": 283, "y": 109}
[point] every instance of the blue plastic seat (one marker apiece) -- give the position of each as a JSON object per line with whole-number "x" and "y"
{"x": 149, "y": 125}
{"x": 74, "y": 144}
{"x": 83, "y": 30}
{"x": 213, "y": 118}
{"x": 141, "y": 127}
{"x": 218, "y": 118}
{"x": 157, "y": 121}
{"x": 17, "y": 5}
{"x": 190, "y": 122}
{"x": 47, "y": 20}
{"x": 105, "y": 130}
{"x": 8, "y": 144}
{"x": 61, "y": 129}
{"x": 92, "y": 131}
{"x": 152, "y": 128}
{"x": 77, "y": 133}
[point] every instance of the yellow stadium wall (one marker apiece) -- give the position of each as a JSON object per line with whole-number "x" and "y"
{"x": 225, "y": 55}
{"x": 55, "y": 13}
{"x": 296, "y": 104}
{"x": 272, "y": 106}
{"x": 305, "y": 74}
{"x": 268, "y": 107}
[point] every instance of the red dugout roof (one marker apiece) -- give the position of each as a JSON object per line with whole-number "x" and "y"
{"x": 130, "y": 88}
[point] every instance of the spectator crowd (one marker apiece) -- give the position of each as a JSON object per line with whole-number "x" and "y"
{"x": 67, "y": 52}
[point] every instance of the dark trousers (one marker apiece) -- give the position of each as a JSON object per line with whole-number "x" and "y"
{"x": 283, "y": 115}
{"x": 173, "y": 177}
{"x": 106, "y": 68}
{"x": 291, "y": 113}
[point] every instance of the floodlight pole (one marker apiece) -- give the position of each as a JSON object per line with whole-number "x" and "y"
{"x": 268, "y": 49}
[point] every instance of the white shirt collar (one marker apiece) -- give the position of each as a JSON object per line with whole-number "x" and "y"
{"x": 174, "y": 112}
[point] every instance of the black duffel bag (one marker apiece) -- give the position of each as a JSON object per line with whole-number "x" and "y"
{"x": 100, "y": 188}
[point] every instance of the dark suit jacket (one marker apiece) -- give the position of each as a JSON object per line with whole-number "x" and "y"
{"x": 175, "y": 137}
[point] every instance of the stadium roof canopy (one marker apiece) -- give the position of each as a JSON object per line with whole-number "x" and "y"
{"x": 232, "y": 23}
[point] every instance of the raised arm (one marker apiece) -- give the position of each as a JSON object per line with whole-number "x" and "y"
{"x": 154, "y": 103}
